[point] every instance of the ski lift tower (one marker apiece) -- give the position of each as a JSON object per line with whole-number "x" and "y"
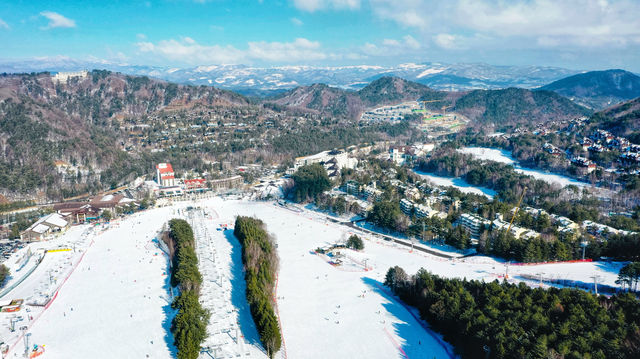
{"x": 595, "y": 282}
{"x": 584, "y": 245}
{"x": 25, "y": 337}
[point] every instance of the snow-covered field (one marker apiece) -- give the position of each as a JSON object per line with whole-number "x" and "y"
{"x": 115, "y": 304}
{"x": 458, "y": 183}
{"x": 504, "y": 156}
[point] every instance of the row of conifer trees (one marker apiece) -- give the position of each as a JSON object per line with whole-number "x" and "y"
{"x": 261, "y": 264}
{"x": 189, "y": 327}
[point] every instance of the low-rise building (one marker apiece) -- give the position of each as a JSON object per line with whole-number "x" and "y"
{"x": 602, "y": 135}
{"x": 333, "y": 161}
{"x": 76, "y": 212}
{"x": 603, "y": 230}
{"x": 473, "y": 223}
{"x": 64, "y": 76}
{"x": 371, "y": 193}
{"x": 406, "y": 206}
{"x": 226, "y": 183}
{"x": 619, "y": 143}
{"x": 45, "y": 228}
{"x": 195, "y": 185}
{"x": 518, "y": 232}
{"x": 588, "y": 165}
{"x": 551, "y": 149}
{"x": 596, "y": 147}
{"x": 352, "y": 188}
{"x": 630, "y": 159}
{"x": 110, "y": 202}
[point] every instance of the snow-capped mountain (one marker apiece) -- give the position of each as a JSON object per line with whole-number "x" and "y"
{"x": 263, "y": 80}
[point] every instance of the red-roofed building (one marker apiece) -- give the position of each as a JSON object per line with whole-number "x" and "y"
{"x": 165, "y": 175}
{"x": 195, "y": 184}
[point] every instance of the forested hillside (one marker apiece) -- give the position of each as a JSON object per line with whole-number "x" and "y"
{"x": 79, "y": 123}
{"x": 515, "y": 105}
{"x": 622, "y": 120}
{"x": 93, "y": 133}
{"x": 338, "y": 102}
{"x": 89, "y": 134}
{"x": 501, "y": 107}
{"x": 598, "y": 89}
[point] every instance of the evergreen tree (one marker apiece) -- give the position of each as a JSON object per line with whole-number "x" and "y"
{"x": 502, "y": 320}
{"x": 355, "y": 242}
{"x": 310, "y": 181}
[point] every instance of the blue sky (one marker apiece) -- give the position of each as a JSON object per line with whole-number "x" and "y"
{"x": 577, "y": 34}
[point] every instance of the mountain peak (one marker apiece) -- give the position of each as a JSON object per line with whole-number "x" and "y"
{"x": 598, "y": 89}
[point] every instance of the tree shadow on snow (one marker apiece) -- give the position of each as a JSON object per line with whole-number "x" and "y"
{"x": 423, "y": 343}
{"x": 169, "y": 313}
{"x": 579, "y": 284}
{"x": 238, "y": 292}
{"x": 612, "y": 267}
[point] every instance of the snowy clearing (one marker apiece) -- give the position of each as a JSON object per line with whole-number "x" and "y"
{"x": 504, "y": 156}
{"x": 116, "y": 302}
{"x": 458, "y": 183}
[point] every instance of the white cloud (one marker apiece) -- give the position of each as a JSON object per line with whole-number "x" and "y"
{"x": 187, "y": 50}
{"x": 391, "y": 47}
{"x": 296, "y": 21}
{"x": 141, "y": 36}
{"x": 538, "y": 25}
{"x": 300, "y": 49}
{"x": 57, "y": 20}
{"x": 447, "y": 41}
{"x": 411, "y": 42}
{"x": 314, "y": 5}
{"x": 390, "y": 42}
{"x": 542, "y": 23}
{"x": 3, "y": 25}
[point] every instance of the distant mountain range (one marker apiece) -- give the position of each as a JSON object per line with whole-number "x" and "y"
{"x": 598, "y": 89}
{"x": 269, "y": 80}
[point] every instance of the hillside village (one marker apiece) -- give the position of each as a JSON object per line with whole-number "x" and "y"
{"x": 428, "y": 213}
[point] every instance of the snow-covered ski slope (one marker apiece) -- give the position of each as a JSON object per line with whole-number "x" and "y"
{"x": 120, "y": 295}
{"x": 116, "y": 304}
{"x": 329, "y": 311}
{"x": 232, "y": 332}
